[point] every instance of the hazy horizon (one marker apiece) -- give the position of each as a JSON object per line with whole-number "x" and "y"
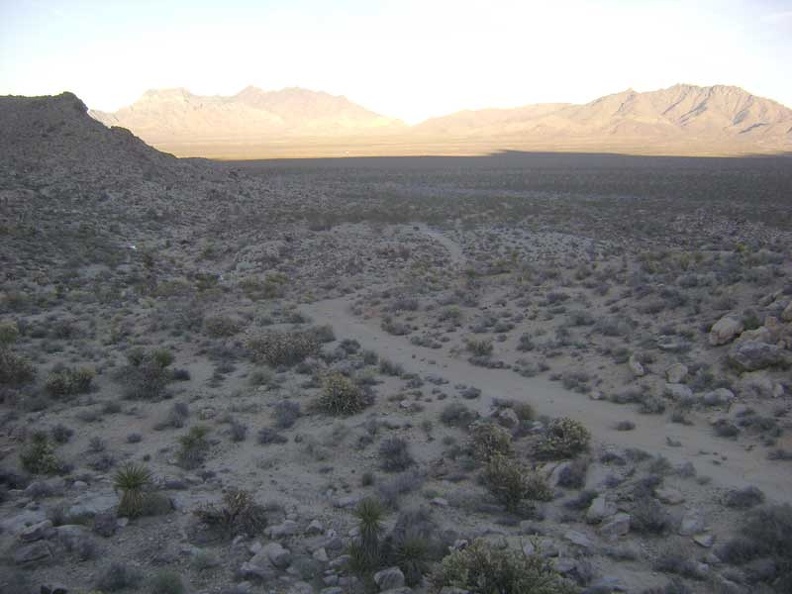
{"x": 406, "y": 59}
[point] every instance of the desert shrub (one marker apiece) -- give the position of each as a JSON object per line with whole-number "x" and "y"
{"x": 237, "y": 430}
{"x": 456, "y": 414}
{"x": 394, "y": 455}
{"x": 488, "y": 440}
{"x": 525, "y": 343}
{"x": 479, "y": 347}
{"x": 388, "y": 367}
{"x": 240, "y": 515}
{"x": 563, "y": 438}
{"x": 510, "y": 483}
{"x": 624, "y": 426}
{"x": 166, "y": 582}
{"x": 648, "y": 516}
{"x": 61, "y": 433}
{"x": 268, "y": 435}
{"x": 146, "y": 375}
{"x": 573, "y": 475}
{"x": 131, "y": 480}
{"x": 482, "y": 568}
{"x": 278, "y": 348}
{"x": 414, "y": 542}
{"x": 286, "y": 413}
{"x": 194, "y": 448}
{"x": 70, "y": 381}
{"x": 341, "y": 396}
{"x": 221, "y": 326}
{"x": 390, "y": 491}
{"x": 14, "y": 369}
{"x": 680, "y": 562}
{"x": 744, "y": 498}
{"x": 38, "y": 456}
{"x": 118, "y": 576}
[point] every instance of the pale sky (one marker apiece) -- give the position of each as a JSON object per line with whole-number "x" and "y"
{"x": 410, "y": 59}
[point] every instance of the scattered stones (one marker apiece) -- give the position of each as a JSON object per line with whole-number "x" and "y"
{"x": 753, "y": 355}
{"x": 676, "y": 373}
{"x": 276, "y": 554}
{"x": 285, "y": 528}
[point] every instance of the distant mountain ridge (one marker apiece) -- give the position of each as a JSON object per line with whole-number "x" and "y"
{"x": 682, "y": 119}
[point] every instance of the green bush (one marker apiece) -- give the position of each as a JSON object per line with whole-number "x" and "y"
{"x": 14, "y": 369}
{"x": 563, "y": 438}
{"x": 70, "y": 381}
{"x": 277, "y": 348}
{"x": 342, "y": 396}
{"x": 38, "y": 456}
{"x": 479, "y": 347}
{"x": 483, "y": 569}
{"x": 166, "y": 582}
{"x": 146, "y": 375}
{"x": 489, "y": 440}
{"x": 511, "y": 483}
{"x": 366, "y": 553}
{"x": 221, "y": 326}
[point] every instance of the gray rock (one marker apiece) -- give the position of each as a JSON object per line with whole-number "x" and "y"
{"x": 332, "y": 590}
{"x": 564, "y": 565}
{"x": 17, "y": 523}
{"x": 704, "y": 540}
{"x": 89, "y": 504}
{"x": 321, "y": 555}
{"x": 390, "y": 578}
{"x": 285, "y": 528}
{"x": 578, "y": 538}
{"x": 718, "y": 397}
{"x": 314, "y": 528}
{"x": 36, "y": 531}
{"x": 670, "y": 495}
{"x": 439, "y": 502}
{"x": 786, "y": 315}
{"x": 259, "y": 569}
{"x": 30, "y": 553}
{"x": 53, "y": 589}
{"x": 599, "y": 509}
{"x": 678, "y": 392}
{"x": 725, "y": 330}
{"x": 348, "y": 501}
{"x": 692, "y": 522}
{"x": 105, "y": 523}
{"x": 676, "y": 373}
{"x": 508, "y": 418}
{"x": 636, "y": 367}
{"x": 276, "y": 554}
{"x": 752, "y": 355}
{"x": 613, "y": 528}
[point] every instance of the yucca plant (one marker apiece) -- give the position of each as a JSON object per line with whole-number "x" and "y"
{"x": 132, "y": 480}
{"x": 367, "y": 553}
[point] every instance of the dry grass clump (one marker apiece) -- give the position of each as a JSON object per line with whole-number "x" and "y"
{"x": 239, "y": 515}
{"x": 70, "y": 381}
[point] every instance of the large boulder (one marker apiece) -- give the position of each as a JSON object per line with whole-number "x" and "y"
{"x": 752, "y": 355}
{"x": 725, "y": 330}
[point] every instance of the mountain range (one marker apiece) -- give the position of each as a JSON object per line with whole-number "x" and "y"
{"x": 682, "y": 119}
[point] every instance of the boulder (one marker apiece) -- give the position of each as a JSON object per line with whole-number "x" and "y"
{"x": 599, "y": 509}
{"x": 390, "y": 578}
{"x": 613, "y": 528}
{"x": 38, "y": 531}
{"x": 578, "y": 538}
{"x": 753, "y": 355}
{"x": 285, "y": 528}
{"x": 669, "y": 495}
{"x": 676, "y": 373}
{"x": 692, "y": 522}
{"x": 30, "y": 553}
{"x": 636, "y": 367}
{"x": 678, "y": 392}
{"x": 718, "y": 397}
{"x": 786, "y": 315}
{"x": 277, "y": 555}
{"x": 704, "y": 540}
{"x": 725, "y": 330}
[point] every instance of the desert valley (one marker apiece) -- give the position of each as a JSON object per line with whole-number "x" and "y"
{"x": 537, "y": 351}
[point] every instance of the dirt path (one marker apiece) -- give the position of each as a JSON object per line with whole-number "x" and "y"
{"x": 452, "y": 247}
{"x": 727, "y": 463}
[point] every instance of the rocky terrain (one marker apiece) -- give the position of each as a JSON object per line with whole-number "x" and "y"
{"x": 680, "y": 120}
{"x": 517, "y": 373}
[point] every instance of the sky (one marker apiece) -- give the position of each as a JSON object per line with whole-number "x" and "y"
{"x": 410, "y": 59}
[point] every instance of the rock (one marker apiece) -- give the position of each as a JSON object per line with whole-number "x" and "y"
{"x": 36, "y": 531}
{"x": 704, "y": 540}
{"x": 692, "y": 522}
{"x": 718, "y": 397}
{"x": 565, "y": 565}
{"x": 17, "y": 523}
{"x": 53, "y": 589}
{"x": 786, "y": 315}
{"x": 277, "y": 555}
{"x": 558, "y": 471}
{"x": 31, "y": 553}
{"x": 752, "y": 355}
{"x": 389, "y": 578}
{"x": 508, "y": 418}
{"x": 636, "y": 367}
{"x": 314, "y": 528}
{"x": 529, "y": 549}
{"x": 599, "y": 509}
{"x": 348, "y": 501}
{"x": 90, "y": 504}
{"x": 672, "y": 344}
{"x": 300, "y": 588}
{"x": 321, "y": 555}
{"x": 285, "y": 528}
{"x": 453, "y": 590}
{"x": 439, "y": 502}
{"x": 254, "y": 570}
{"x": 613, "y": 528}
{"x": 669, "y": 495}
{"x": 676, "y": 373}
{"x": 678, "y": 392}
{"x": 105, "y": 523}
{"x": 578, "y": 538}
{"x": 725, "y": 330}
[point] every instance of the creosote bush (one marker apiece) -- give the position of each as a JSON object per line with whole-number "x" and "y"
{"x": 240, "y": 515}
{"x": 563, "y": 438}
{"x": 489, "y": 440}
{"x": 70, "y": 381}
{"x": 14, "y": 369}
{"x": 38, "y": 456}
{"x": 341, "y": 396}
{"x": 146, "y": 375}
{"x": 511, "y": 483}
{"x": 482, "y": 568}
{"x": 279, "y": 348}
{"x": 394, "y": 454}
